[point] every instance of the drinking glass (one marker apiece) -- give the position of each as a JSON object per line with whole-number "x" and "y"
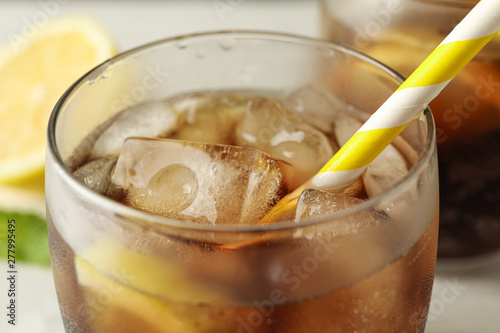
{"x": 118, "y": 269}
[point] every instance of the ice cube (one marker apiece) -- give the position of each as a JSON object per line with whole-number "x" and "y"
{"x": 236, "y": 103}
{"x": 319, "y": 107}
{"x": 151, "y": 119}
{"x": 355, "y": 189}
{"x": 313, "y": 203}
{"x": 199, "y": 182}
{"x": 208, "y": 119}
{"x": 269, "y": 126}
{"x": 96, "y": 174}
{"x": 384, "y": 172}
{"x": 344, "y": 128}
{"x": 81, "y": 153}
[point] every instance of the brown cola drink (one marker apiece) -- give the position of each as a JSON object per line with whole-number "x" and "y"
{"x": 155, "y": 217}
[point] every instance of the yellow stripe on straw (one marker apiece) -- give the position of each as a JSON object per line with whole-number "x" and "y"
{"x": 362, "y": 149}
{"x": 403, "y": 106}
{"x": 449, "y": 59}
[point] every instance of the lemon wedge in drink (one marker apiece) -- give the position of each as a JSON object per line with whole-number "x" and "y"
{"x": 122, "y": 309}
{"x": 35, "y": 71}
{"x": 141, "y": 292}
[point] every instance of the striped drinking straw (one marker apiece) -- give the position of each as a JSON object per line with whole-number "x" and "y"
{"x": 404, "y": 105}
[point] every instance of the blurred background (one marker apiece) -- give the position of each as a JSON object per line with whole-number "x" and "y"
{"x": 461, "y": 301}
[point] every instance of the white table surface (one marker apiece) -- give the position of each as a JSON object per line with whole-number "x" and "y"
{"x": 466, "y": 301}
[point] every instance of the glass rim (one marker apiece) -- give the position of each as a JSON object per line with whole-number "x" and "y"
{"x": 104, "y": 202}
{"x": 451, "y": 3}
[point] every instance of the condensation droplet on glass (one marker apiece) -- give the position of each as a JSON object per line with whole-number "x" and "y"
{"x": 309, "y": 235}
{"x": 100, "y": 76}
{"x": 226, "y": 43}
{"x": 181, "y": 45}
{"x": 186, "y": 188}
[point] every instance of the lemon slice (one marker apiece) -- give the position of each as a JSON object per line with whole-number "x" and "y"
{"x": 122, "y": 309}
{"x": 143, "y": 292}
{"x": 34, "y": 73}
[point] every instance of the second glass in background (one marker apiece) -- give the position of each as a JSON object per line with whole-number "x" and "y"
{"x": 402, "y": 33}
